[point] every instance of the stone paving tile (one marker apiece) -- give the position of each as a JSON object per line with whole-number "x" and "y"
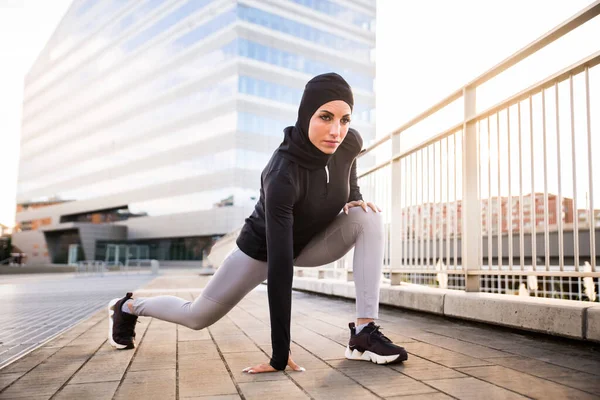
{"x": 234, "y": 343}
{"x": 428, "y": 396}
{"x": 154, "y": 384}
{"x": 47, "y": 378}
{"x": 16, "y": 370}
{"x": 260, "y": 337}
{"x": 576, "y": 379}
{"x": 197, "y": 350}
{"x": 224, "y": 397}
{"x": 331, "y": 384}
{"x": 525, "y": 384}
{"x": 445, "y": 357}
{"x": 76, "y": 331}
{"x": 471, "y": 388}
{"x": 274, "y": 390}
{"x": 96, "y": 391}
{"x": 459, "y": 346}
{"x": 159, "y": 348}
{"x": 481, "y": 335}
{"x": 107, "y": 364}
{"x": 193, "y": 384}
{"x": 224, "y": 327}
{"x": 205, "y": 378}
{"x": 380, "y": 379}
{"x": 513, "y": 342}
{"x": 334, "y": 333}
{"x": 7, "y": 379}
{"x": 326, "y": 348}
{"x": 579, "y": 380}
{"x": 572, "y": 348}
{"x": 244, "y": 320}
{"x": 422, "y": 369}
{"x": 156, "y": 356}
{"x": 30, "y": 361}
{"x": 560, "y": 359}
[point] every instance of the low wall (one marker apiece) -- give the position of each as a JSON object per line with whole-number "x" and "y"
{"x": 566, "y": 318}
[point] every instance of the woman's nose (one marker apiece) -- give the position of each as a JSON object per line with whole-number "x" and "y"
{"x": 335, "y": 129}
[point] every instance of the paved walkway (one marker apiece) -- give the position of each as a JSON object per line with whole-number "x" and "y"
{"x": 37, "y": 307}
{"x": 448, "y": 359}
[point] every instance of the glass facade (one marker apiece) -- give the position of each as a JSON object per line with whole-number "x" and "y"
{"x": 168, "y": 249}
{"x": 139, "y": 96}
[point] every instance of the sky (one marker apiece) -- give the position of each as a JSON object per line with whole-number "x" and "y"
{"x": 425, "y": 50}
{"x": 25, "y": 26}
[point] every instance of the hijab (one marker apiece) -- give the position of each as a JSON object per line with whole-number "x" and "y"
{"x": 296, "y": 145}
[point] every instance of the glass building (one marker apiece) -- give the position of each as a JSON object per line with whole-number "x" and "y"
{"x": 148, "y": 122}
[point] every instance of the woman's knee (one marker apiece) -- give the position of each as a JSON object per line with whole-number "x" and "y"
{"x": 205, "y": 312}
{"x": 198, "y": 325}
{"x": 370, "y": 219}
{"x": 203, "y": 321}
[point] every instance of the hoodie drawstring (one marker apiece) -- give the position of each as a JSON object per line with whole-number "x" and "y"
{"x": 327, "y": 172}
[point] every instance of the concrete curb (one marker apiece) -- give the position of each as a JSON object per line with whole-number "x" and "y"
{"x": 566, "y": 318}
{"x": 593, "y": 324}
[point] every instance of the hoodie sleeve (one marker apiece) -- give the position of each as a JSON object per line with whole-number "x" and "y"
{"x": 354, "y": 188}
{"x": 280, "y": 196}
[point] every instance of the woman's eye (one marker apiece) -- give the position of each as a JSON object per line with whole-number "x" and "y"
{"x": 325, "y": 117}
{"x": 345, "y": 121}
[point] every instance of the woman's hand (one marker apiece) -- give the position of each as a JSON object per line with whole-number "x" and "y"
{"x": 363, "y": 205}
{"x": 260, "y": 368}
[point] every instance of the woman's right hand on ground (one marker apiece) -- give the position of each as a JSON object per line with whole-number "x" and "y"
{"x": 261, "y": 368}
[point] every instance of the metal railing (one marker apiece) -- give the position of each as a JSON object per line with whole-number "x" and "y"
{"x": 471, "y": 207}
{"x": 91, "y": 268}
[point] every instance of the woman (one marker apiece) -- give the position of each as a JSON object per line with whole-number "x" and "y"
{"x": 308, "y": 181}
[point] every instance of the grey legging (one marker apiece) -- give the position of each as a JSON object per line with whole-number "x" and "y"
{"x": 239, "y": 273}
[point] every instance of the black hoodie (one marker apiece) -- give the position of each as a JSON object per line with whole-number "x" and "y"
{"x": 302, "y": 191}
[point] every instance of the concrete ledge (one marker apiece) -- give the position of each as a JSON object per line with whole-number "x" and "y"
{"x": 593, "y": 324}
{"x": 552, "y": 316}
{"x": 413, "y": 297}
{"x": 567, "y": 318}
{"x": 420, "y": 298}
{"x": 330, "y": 287}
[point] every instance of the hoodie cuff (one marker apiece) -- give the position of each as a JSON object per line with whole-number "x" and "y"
{"x": 278, "y": 365}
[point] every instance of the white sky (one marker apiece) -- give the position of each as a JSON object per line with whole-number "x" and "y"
{"x": 425, "y": 50}
{"x": 25, "y": 26}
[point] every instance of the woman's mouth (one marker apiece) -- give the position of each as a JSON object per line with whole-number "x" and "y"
{"x": 331, "y": 143}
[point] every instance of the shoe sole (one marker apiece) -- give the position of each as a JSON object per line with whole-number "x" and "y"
{"x": 111, "y": 311}
{"x": 370, "y": 356}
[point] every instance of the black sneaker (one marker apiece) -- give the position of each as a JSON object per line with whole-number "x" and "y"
{"x": 121, "y": 325}
{"x": 372, "y": 345}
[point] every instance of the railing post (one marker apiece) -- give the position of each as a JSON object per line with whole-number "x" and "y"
{"x": 397, "y": 193}
{"x": 471, "y": 205}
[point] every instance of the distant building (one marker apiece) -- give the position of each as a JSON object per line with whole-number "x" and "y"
{"x": 5, "y": 230}
{"x": 435, "y": 219}
{"x": 140, "y": 117}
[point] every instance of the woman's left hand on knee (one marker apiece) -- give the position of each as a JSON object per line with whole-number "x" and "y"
{"x": 362, "y": 204}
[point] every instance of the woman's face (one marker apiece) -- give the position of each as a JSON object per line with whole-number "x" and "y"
{"x": 329, "y": 125}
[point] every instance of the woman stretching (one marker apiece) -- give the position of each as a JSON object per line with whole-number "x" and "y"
{"x": 310, "y": 213}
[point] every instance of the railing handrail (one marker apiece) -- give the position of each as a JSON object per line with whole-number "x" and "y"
{"x": 559, "y": 31}
{"x": 587, "y": 62}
